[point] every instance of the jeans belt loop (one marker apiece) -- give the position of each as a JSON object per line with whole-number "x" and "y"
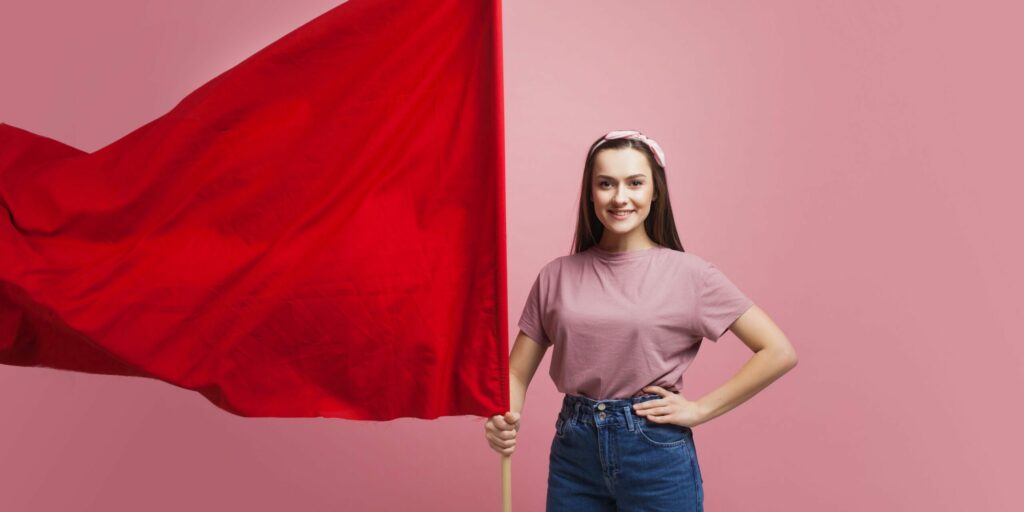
{"x": 628, "y": 412}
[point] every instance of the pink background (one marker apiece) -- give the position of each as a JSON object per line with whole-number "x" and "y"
{"x": 853, "y": 166}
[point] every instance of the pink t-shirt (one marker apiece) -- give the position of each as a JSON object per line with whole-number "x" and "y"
{"x": 620, "y": 321}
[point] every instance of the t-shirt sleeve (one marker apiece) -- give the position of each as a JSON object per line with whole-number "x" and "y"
{"x": 720, "y": 304}
{"x": 531, "y": 320}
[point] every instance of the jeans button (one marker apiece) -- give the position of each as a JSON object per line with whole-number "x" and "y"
{"x": 600, "y": 407}
{"x": 601, "y": 415}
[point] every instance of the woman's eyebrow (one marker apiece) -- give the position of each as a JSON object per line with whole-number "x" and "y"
{"x": 628, "y": 177}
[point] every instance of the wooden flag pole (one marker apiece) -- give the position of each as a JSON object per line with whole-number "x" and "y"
{"x": 506, "y": 483}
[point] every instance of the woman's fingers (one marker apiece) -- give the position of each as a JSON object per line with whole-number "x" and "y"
{"x": 506, "y": 422}
{"x": 504, "y": 451}
{"x": 495, "y": 427}
{"x": 512, "y": 419}
{"x": 655, "y": 411}
{"x": 500, "y": 424}
{"x": 501, "y": 431}
{"x": 501, "y": 435}
{"x": 657, "y": 402}
{"x": 504, "y": 443}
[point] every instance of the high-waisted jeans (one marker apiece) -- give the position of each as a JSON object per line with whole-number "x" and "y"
{"x": 605, "y": 457}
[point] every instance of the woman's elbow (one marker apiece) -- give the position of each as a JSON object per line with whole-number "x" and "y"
{"x": 789, "y": 358}
{"x": 784, "y": 354}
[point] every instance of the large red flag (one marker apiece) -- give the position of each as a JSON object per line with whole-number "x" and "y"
{"x": 318, "y": 231}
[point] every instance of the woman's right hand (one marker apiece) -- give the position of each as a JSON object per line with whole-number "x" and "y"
{"x": 501, "y": 431}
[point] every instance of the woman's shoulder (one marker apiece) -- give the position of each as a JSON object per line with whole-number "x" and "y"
{"x": 555, "y": 266}
{"x": 685, "y": 257}
{"x": 695, "y": 265}
{"x": 683, "y": 263}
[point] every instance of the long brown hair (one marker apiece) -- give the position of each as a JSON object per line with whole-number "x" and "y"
{"x": 659, "y": 224}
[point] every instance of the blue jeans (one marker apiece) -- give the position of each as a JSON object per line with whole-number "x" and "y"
{"x": 605, "y": 457}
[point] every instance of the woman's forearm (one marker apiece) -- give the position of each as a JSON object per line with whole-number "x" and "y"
{"x": 763, "y": 368}
{"x": 517, "y": 390}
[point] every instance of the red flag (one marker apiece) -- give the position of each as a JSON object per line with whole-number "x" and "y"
{"x": 318, "y": 231}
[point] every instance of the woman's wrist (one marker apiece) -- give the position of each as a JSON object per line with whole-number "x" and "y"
{"x": 704, "y": 412}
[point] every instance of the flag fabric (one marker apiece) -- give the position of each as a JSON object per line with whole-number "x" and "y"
{"x": 318, "y": 231}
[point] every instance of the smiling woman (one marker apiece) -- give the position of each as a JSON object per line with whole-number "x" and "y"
{"x": 626, "y": 313}
{"x": 622, "y": 176}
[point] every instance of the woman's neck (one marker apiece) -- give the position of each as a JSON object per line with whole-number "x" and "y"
{"x": 624, "y": 244}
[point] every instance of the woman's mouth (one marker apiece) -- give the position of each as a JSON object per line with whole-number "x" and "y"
{"x": 620, "y": 214}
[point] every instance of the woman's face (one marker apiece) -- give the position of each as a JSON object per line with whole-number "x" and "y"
{"x": 622, "y": 183}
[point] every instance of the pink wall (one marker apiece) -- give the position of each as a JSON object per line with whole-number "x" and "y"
{"x": 851, "y": 165}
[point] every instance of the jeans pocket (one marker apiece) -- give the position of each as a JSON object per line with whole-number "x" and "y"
{"x": 665, "y": 435}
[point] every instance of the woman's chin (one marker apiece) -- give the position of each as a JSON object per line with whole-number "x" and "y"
{"x": 618, "y": 227}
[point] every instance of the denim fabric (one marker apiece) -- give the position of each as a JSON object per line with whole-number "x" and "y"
{"x": 605, "y": 457}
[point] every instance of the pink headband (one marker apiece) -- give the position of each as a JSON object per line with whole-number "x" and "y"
{"x": 659, "y": 155}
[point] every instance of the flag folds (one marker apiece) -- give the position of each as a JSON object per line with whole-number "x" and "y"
{"x": 318, "y": 231}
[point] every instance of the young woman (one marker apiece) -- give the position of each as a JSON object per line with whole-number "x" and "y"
{"x": 626, "y": 313}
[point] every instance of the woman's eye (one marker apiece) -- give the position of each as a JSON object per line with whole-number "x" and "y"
{"x": 634, "y": 182}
